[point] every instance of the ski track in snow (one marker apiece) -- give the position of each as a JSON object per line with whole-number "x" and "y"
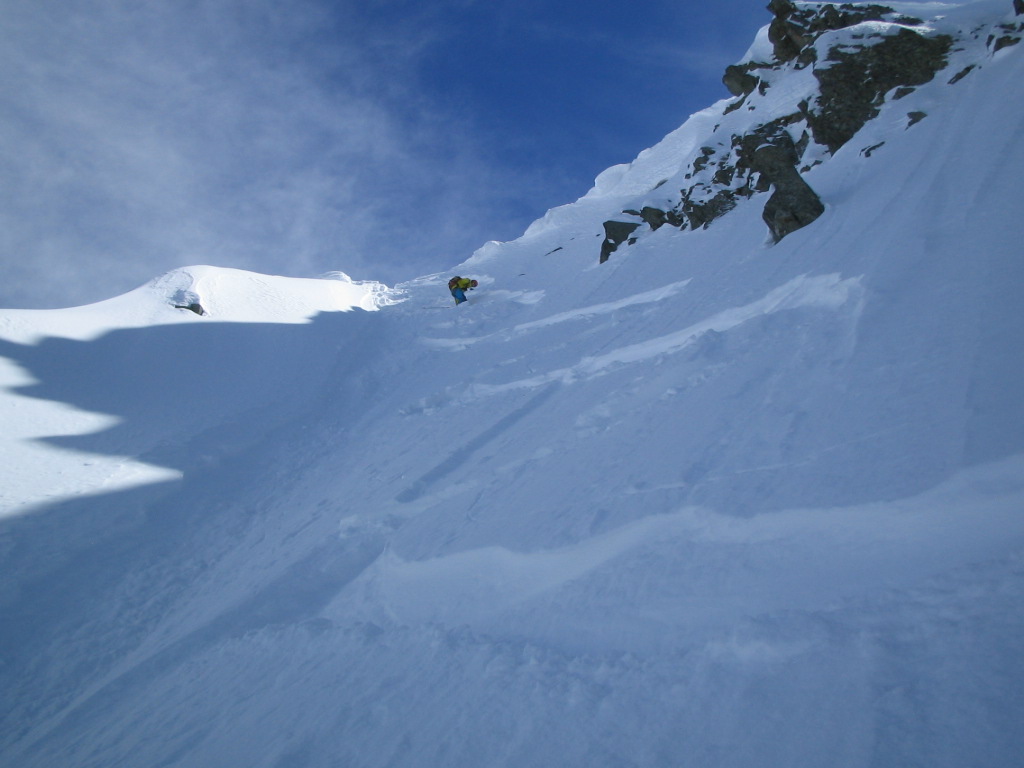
{"x": 827, "y": 292}
{"x": 583, "y": 313}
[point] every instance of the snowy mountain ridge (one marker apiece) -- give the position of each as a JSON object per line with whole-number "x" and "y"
{"x": 724, "y": 499}
{"x": 837, "y": 70}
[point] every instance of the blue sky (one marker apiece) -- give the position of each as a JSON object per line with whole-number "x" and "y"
{"x": 385, "y": 139}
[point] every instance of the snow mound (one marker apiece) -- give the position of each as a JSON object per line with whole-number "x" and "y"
{"x": 204, "y": 373}
{"x": 223, "y": 294}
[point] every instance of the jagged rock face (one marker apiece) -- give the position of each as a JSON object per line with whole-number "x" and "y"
{"x": 1010, "y": 33}
{"x": 886, "y": 58}
{"x": 854, "y": 86}
{"x": 793, "y": 204}
{"x": 655, "y": 217}
{"x": 786, "y": 37}
{"x": 700, "y": 214}
{"x": 739, "y": 81}
{"x": 615, "y": 234}
{"x": 794, "y": 28}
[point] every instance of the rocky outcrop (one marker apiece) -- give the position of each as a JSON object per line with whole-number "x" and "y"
{"x": 786, "y": 34}
{"x": 857, "y": 71}
{"x": 793, "y": 204}
{"x": 795, "y": 27}
{"x": 853, "y": 86}
{"x": 1009, "y": 34}
{"x": 739, "y": 81}
{"x": 615, "y": 234}
{"x": 195, "y": 306}
{"x": 655, "y": 217}
{"x": 699, "y": 213}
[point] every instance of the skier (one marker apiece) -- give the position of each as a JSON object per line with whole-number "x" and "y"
{"x": 458, "y": 286}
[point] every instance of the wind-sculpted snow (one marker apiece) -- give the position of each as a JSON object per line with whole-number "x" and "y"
{"x": 182, "y": 375}
{"x": 714, "y": 502}
{"x": 827, "y": 292}
{"x": 712, "y": 569}
{"x": 582, "y": 313}
{"x": 227, "y": 295}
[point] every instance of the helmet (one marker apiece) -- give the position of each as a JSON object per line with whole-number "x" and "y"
{"x": 473, "y": 283}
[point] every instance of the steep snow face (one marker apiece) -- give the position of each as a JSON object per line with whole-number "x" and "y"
{"x": 713, "y": 502}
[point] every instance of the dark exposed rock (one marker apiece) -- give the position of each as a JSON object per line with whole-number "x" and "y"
{"x": 735, "y": 105}
{"x": 760, "y": 160}
{"x": 782, "y": 9}
{"x": 793, "y": 204}
{"x": 655, "y": 217}
{"x": 776, "y": 134}
{"x": 195, "y": 306}
{"x": 615, "y": 234}
{"x": 791, "y": 209}
{"x": 724, "y": 175}
{"x": 853, "y": 88}
{"x": 808, "y": 56}
{"x": 1018, "y": 6}
{"x": 618, "y": 232}
{"x": 706, "y": 153}
{"x": 855, "y": 78}
{"x": 770, "y": 151}
{"x": 1013, "y": 36}
{"x": 962, "y": 73}
{"x": 739, "y": 81}
{"x": 847, "y": 15}
{"x": 184, "y": 299}
{"x": 700, "y": 214}
{"x": 1004, "y": 42}
{"x": 786, "y": 35}
{"x": 794, "y": 28}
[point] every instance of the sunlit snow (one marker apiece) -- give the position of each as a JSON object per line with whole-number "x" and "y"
{"x": 714, "y": 502}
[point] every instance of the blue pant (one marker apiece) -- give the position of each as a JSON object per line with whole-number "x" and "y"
{"x": 459, "y": 294}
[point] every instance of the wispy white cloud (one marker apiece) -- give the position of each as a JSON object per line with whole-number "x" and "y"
{"x": 140, "y": 136}
{"x": 295, "y": 138}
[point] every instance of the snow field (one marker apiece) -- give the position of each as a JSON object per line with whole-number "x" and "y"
{"x": 711, "y": 503}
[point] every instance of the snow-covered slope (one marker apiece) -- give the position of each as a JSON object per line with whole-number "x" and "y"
{"x": 714, "y": 502}
{"x": 143, "y": 349}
